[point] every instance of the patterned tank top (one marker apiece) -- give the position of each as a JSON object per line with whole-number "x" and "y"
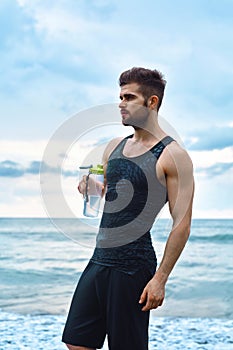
{"x": 133, "y": 199}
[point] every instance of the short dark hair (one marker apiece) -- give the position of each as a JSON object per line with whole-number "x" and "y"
{"x": 151, "y": 82}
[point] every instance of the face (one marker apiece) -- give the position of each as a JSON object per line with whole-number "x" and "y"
{"x": 132, "y": 106}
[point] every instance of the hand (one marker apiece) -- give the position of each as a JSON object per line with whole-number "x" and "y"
{"x": 153, "y": 294}
{"x": 82, "y": 185}
{"x": 94, "y": 187}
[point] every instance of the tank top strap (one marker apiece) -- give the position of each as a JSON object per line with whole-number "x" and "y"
{"x": 159, "y": 147}
{"x": 156, "y": 149}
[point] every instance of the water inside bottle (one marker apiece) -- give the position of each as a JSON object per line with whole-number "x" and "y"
{"x": 91, "y": 208}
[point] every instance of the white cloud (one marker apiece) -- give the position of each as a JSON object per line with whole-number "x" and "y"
{"x": 212, "y": 213}
{"x": 68, "y": 27}
{"x": 21, "y": 151}
{"x": 205, "y": 159}
{"x": 20, "y": 197}
{"x": 58, "y": 22}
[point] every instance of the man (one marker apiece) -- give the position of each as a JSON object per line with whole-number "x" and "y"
{"x": 143, "y": 171}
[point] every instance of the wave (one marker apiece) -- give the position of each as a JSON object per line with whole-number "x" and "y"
{"x": 44, "y": 332}
{"x": 217, "y": 238}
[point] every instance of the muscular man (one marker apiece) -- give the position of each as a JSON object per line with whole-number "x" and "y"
{"x": 143, "y": 171}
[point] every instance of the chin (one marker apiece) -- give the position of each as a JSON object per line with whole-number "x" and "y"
{"x": 125, "y": 123}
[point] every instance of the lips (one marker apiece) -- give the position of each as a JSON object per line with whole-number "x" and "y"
{"x": 124, "y": 113}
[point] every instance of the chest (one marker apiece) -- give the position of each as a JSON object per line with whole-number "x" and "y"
{"x": 134, "y": 149}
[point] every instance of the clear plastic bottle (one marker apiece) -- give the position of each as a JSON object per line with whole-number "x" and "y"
{"x": 93, "y": 194}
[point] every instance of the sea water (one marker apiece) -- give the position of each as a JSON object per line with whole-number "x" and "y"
{"x": 40, "y": 267}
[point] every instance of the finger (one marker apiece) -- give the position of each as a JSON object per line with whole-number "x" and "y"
{"x": 147, "y": 307}
{"x": 143, "y": 297}
{"x": 149, "y": 304}
{"x": 152, "y": 304}
{"x": 81, "y": 188}
{"x": 161, "y": 302}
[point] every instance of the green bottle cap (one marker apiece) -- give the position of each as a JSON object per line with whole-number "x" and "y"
{"x": 98, "y": 169}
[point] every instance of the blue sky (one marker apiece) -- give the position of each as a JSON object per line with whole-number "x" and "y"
{"x": 61, "y": 57}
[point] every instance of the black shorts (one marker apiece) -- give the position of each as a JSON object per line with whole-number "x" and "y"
{"x": 106, "y": 301}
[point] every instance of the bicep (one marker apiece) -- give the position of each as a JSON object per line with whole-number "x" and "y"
{"x": 180, "y": 187}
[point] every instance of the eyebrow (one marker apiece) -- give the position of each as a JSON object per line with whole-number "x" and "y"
{"x": 127, "y": 96}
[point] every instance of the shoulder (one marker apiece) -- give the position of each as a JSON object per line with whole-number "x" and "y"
{"x": 175, "y": 158}
{"x": 110, "y": 147}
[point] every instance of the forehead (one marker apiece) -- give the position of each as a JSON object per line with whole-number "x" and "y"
{"x": 132, "y": 88}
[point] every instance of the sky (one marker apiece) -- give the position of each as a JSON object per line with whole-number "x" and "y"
{"x": 60, "y": 58}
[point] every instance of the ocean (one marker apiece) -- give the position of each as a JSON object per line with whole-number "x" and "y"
{"x": 40, "y": 267}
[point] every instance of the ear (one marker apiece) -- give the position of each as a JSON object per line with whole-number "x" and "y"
{"x": 153, "y": 102}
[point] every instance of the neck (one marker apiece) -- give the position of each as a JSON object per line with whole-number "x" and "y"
{"x": 150, "y": 130}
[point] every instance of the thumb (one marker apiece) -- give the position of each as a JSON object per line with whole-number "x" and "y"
{"x": 143, "y": 297}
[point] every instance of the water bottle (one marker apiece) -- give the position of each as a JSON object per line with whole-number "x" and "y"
{"x": 93, "y": 193}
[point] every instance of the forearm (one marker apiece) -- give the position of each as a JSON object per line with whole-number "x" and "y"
{"x": 174, "y": 246}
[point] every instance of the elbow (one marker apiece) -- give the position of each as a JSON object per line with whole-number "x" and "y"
{"x": 183, "y": 227}
{"x": 186, "y": 229}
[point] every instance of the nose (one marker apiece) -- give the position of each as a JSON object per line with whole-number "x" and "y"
{"x": 122, "y": 104}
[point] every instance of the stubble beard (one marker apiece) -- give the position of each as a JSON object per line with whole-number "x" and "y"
{"x": 140, "y": 123}
{"x": 137, "y": 123}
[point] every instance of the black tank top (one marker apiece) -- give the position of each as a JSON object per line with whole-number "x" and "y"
{"x": 133, "y": 199}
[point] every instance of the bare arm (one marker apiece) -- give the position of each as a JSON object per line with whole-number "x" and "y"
{"x": 180, "y": 186}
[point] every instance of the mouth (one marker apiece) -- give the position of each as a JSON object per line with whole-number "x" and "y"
{"x": 124, "y": 113}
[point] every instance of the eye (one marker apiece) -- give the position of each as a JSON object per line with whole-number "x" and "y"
{"x": 129, "y": 97}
